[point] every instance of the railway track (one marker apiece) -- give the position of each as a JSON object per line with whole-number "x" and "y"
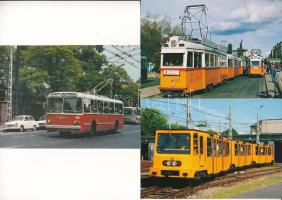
{"x": 170, "y": 190}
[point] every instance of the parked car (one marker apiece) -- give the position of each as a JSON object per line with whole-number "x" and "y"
{"x": 42, "y": 122}
{"x": 132, "y": 115}
{"x": 21, "y": 123}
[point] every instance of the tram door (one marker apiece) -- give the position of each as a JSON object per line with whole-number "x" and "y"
{"x": 202, "y": 157}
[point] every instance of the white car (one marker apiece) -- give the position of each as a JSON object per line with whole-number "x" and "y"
{"x": 42, "y": 122}
{"x": 21, "y": 123}
{"x": 132, "y": 115}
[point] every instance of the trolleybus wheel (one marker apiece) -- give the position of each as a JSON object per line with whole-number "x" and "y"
{"x": 116, "y": 127}
{"x": 93, "y": 129}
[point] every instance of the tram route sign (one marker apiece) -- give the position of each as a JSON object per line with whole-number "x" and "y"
{"x": 171, "y": 72}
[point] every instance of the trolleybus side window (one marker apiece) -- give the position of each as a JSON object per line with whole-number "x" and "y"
{"x": 201, "y": 145}
{"x": 106, "y": 107}
{"x": 197, "y": 59}
{"x": 209, "y": 147}
{"x": 94, "y": 106}
{"x": 236, "y": 149}
{"x": 87, "y": 105}
{"x": 190, "y": 59}
{"x": 112, "y": 109}
{"x": 173, "y": 59}
{"x": 120, "y": 108}
{"x": 100, "y": 107}
{"x": 195, "y": 144}
{"x": 207, "y": 59}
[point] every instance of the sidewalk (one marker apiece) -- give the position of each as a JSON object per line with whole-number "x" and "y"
{"x": 270, "y": 86}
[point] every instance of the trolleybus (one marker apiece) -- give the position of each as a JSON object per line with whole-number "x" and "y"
{"x": 75, "y": 112}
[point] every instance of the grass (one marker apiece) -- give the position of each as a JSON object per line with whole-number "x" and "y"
{"x": 253, "y": 185}
{"x": 151, "y": 82}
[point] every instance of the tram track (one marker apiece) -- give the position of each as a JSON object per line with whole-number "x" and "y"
{"x": 170, "y": 190}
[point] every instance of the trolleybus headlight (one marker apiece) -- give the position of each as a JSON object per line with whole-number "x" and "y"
{"x": 49, "y": 121}
{"x": 75, "y": 122}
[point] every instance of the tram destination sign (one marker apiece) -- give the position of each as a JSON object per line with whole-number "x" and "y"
{"x": 171, "y": 72}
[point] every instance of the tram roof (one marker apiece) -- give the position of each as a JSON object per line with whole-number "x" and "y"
{"x": 83, "y": 95}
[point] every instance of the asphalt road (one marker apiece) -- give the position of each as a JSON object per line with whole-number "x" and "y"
{"x": 239, "y": 87}
{"x": 128, "y": 137}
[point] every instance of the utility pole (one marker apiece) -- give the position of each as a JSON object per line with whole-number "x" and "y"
{"x": 257, "y": 127}
{"x": 10, "y": 88}
{"x": 188, "y": 113}
{"x": 257, "y": 132}
{"x": 230, "y": 122}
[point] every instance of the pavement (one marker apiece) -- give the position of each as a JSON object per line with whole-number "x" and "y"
{"x": 149, "y": 91}
{"x": 268, "y": 192}
{"x": 127, "y": 138}
{"x": 239, "y": 87}
{"x": 271, "y": 89}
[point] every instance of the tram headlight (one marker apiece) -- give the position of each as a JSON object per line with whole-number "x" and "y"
{"x": 173, "y": 163}
{"x": 168, "y": 163}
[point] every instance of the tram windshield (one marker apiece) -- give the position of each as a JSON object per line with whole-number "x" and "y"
{"x": 255, "y": 63}
{"x": 66, "y": 105}
{"x": 173, "y": 59}
{"x": 173, "y": 143}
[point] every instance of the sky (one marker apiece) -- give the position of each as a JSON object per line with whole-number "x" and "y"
{"x": 258, "y": 22}
{"x": 130, "y": 64}
{"x": 215, "y": 111}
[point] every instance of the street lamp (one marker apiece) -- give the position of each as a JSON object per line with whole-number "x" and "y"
{"x": 257, "y": 127}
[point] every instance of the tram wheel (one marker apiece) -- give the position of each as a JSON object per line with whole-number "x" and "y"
{"x": 93, "y": 129}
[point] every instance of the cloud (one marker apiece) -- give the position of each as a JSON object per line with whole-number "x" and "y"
{"x": 243, "y": 20}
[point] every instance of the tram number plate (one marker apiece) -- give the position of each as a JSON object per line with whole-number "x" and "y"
{"x": 171, "y": 72}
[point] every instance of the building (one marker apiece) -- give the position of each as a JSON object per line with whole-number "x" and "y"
{"x": 270, "y": 132}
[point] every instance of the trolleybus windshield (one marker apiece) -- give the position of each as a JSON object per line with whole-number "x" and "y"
{"x": 65, "y": 105}
{"x": 173, "y": 59}
{"x": 173, "y": 143}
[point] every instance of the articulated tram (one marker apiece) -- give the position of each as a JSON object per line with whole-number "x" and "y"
{"x": 195, "y": 154}
{"x": 256, "y": 67}
{"x": 192, "y": 65}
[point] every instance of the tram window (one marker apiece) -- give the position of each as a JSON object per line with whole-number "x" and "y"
{"x": 230, "y": 63}
{"x": 209, "y": 147}
{"x": 222, "y": 61}
{"x": 212, "y": 60}
{"x": 190, "y": 59}
{"x": 249, "y": 150}
{"x": 269, "y": 151}
{"x": 215, "y": 147}
{"x": 216, "y": 61}
{"x": 195, "y": 144}
{"x": 243, "y": 150}
{"x": 236, "y": 149}
{"x": 227, "y": 149}
{"x": 173, "y": 59}
{"x": 201, "y": 145}
{"x": 197, "y": 59}
{"x": 257, "y": 150}
{"x": 207, "y": 61}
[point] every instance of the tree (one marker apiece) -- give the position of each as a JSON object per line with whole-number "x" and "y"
{"x": 155, "y": 32}
{"x": 177, "y": 126}
{"x": 226, "y": 132}
{"x": 4, "y": 68}
{"x": 151, "y": 120}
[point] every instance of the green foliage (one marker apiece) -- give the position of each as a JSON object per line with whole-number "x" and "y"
{"x": 226, "y": 132}
{"x": 4, "y": 69}
{"x": 152, "y": 119}
{"x": 155, "y": 32}
{"x": 177, "y": 126}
